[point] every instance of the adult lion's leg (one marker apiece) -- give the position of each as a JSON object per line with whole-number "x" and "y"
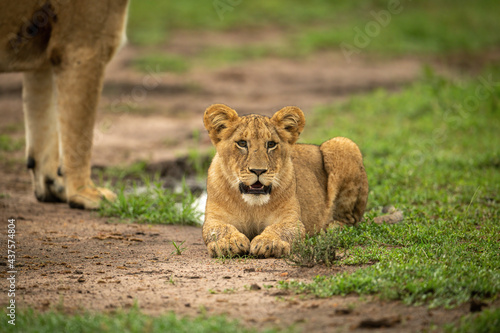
{"x": 79, "y": 84}
{"x": 42, "y": 141}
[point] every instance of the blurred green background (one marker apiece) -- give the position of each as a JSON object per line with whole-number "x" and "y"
{"x": 425, "y": 27}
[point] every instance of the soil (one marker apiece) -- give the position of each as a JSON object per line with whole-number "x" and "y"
{"x": 73, "y": 259}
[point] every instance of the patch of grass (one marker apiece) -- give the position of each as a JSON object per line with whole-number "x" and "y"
{"x": 425, "y": 27}
{"x": 405, "y": 32}
{"x": 200, "y": 161}
{"x": 432, "y": 150}
{"x": 152, "y": 21}
{"x": 426, "y": 263}
{"x": 132, "y": 320}
{"x": 161, "y": 63}
{"x": 135, "y": 170}
{"x": 487, "y": 321}
{"x": 178, "y": 248}
{"x": 153, "y": 204}
{"x": 13, "y": 127}
{"x": 218, "y": 56}
{"x": 314, "y": 250}
{"x": 9, "y": 144}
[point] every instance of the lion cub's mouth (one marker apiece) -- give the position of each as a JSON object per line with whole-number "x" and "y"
{"x": 255, "y": 188}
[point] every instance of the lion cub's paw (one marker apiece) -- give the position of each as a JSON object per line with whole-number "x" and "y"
{"x": 269, "y": 246}
{"x": 231, "y": 245}
{"x": 90, "y": 197}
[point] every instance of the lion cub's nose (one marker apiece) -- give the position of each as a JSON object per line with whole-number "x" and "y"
{"x": 258, "y": 172}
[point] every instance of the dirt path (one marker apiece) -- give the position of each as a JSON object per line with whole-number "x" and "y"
{"x": 74, "y": 259}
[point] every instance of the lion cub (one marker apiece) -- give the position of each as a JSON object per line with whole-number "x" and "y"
{"x": 264, "y": 190}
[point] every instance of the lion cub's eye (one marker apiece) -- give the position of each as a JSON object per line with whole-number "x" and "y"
{"x": 242, "y": 143}
{"x": 271, "y": 144}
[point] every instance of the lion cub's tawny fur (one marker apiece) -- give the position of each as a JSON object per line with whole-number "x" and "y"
{"x": 264, "y": 190}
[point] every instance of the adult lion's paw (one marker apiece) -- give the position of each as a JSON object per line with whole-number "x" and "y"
{"x": 233, "y": 244}
{"x": 269, "y": 246}
{"x": 90, "y": 197}
{"x": 107, "y": 194}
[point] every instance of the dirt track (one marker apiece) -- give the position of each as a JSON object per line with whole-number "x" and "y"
{"x": 74, "y": 259}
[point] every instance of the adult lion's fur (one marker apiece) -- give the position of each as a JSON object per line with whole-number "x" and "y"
{"x": 62, "y": 46}
{"x": 264, "y": 190}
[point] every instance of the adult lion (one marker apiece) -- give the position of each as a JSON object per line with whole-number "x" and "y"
{"x": 264, "y": 190}
{"x": 62, "y": 47}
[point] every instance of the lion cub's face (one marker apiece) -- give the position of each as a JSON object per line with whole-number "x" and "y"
{"x": 254, "y": 150}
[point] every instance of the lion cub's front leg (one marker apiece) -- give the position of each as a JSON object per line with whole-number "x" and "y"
{"x": 224, "y": 239}
{"x": 276, "y": 239}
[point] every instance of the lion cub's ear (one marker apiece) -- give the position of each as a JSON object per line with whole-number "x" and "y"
{"x": 217, "y": 118}
{"x": 291, "y": 121}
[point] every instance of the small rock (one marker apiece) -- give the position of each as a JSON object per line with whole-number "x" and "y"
{"x": 344, "y": 311}
{"x": 255, "y": 286}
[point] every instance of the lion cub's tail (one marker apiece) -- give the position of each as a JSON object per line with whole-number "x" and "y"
{"x": 392, "y": 216}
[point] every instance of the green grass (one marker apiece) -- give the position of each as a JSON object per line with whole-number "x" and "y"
{"x": 422, "y": 27}
{"x": 315, "y": 250}
{"x": 152, "y": 203}
{"x": 162, "y": 63}
{"x": 135, "y": 170}
{"x": 122, "y": 321}
{"x": 200, "y": 161}
{"x": 432, "y": 150}
{"x": 488, "y": 321}
{"x": 178, "y": 248}
{"x": 9, "y": 144}
{"x": 152, "y": 22}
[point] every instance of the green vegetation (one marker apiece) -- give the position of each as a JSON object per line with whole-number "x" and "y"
{"x": 153, "y": 204}
{"x": 178, "y": 248}
{"x": 135, "y": 170}
{"x": 432, "y": 150}
{"x": 421, "y": 27}
{"x": 314, "y": 250}
{"x": 161, "y": 63}
{"x": 200, "y": 161}
{"x": 9, "y": 144}
{"x": 122, "y": 321}
{"x": 415, "y": 27}
{"x": 488, "y": 321}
